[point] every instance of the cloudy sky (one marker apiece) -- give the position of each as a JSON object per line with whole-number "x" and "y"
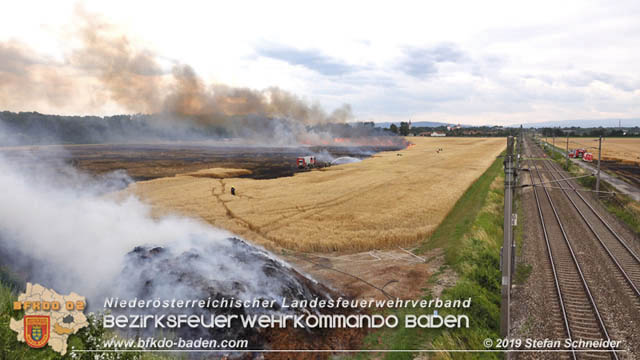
{"x": 473, "y": 62}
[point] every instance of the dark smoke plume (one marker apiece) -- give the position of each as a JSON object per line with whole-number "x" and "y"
{"x": 27, "y": 78}
{"x": 109, "y": 67}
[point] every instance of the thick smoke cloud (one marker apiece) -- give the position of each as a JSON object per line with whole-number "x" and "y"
{"x": 108, "y": 67}
{"x": 27, "y": 79}
{"x": 62, "y": 229}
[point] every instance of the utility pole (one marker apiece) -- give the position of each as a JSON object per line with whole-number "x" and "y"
{"x": 567, "y": 154}
{"x": 598, "y": 173}
{"x": 520, "y": 140}
{"x": 507, "y": 250}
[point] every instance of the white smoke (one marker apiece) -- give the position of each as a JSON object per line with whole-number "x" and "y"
{"x": 79, "y": 237}
{"x": 59, "y": 225}
{"x": 323, "y": 156}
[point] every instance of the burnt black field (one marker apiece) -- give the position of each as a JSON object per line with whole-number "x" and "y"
{"x": 151, "y": 161}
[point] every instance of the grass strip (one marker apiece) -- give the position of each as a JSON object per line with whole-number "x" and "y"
{"x": 471, "y": 236}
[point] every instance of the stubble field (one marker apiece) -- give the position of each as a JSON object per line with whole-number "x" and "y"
{"x": 391, "y": 199}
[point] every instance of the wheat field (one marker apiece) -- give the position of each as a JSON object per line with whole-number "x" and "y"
{"x": 390, "y": 199}
{"x": 617, "y": 149}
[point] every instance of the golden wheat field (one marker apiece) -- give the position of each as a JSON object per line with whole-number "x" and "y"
{"x": 620, "y": 149}
{"x": 390, "y": 199}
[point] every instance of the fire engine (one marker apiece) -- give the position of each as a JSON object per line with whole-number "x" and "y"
{"x": 306, "y": 162}
{"x": 577, "y": 153}
{"x": 587, "y": 157}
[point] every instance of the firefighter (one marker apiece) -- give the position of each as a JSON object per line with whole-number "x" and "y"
{"x": 233, "y": 191}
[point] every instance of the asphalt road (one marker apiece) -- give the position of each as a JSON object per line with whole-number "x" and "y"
{"x": 621, "y": 186}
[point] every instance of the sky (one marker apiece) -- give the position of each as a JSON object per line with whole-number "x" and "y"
{"x": 470, "y": 62}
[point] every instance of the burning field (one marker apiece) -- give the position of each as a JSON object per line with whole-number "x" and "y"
{"x": 59, "y": 228}
{"x": 152, "y": 161}
{"x": 196, "y": 219}
{"x": 194, "y": 195}
{"x": 391, "y": 199}
{"x": 361, "y": 203}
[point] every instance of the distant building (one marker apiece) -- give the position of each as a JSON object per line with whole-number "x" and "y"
{"x": 425, "y": 133}
{"x": 435, "y": 133}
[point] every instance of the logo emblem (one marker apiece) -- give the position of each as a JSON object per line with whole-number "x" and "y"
{"x": 36, "y": 330}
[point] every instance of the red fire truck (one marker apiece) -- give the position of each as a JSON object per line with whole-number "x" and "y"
{"x": 577, "y": 153}
{"x": 305, "y": 162}
{"x": 587, "y": 157}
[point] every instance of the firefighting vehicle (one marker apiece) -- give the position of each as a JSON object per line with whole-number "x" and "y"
{"x": 305, "y": 162}
{"x": 587, "y": 157}
{"x": 577, "y": 153}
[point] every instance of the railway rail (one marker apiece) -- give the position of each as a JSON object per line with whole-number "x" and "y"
{"x": 624, "y": 258}
{"x": 580, "y": 317}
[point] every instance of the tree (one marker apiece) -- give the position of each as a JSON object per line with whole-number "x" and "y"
{"x": 404, "y": 128}
{"x": 393, "y": 128}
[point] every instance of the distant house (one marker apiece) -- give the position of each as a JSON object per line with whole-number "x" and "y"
{"x": 435, "y": 133}
{"x": 425, "y": 133}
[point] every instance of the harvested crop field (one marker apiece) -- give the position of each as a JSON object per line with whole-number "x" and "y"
{"x": 391, "y": 199}
{"x": 613, "y": 149}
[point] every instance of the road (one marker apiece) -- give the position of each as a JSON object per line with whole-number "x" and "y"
{"x": 621, "y": 186}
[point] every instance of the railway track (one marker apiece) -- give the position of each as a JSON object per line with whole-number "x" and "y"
{"x": 580, "y": 316}
{"x": 617, "y": 249}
